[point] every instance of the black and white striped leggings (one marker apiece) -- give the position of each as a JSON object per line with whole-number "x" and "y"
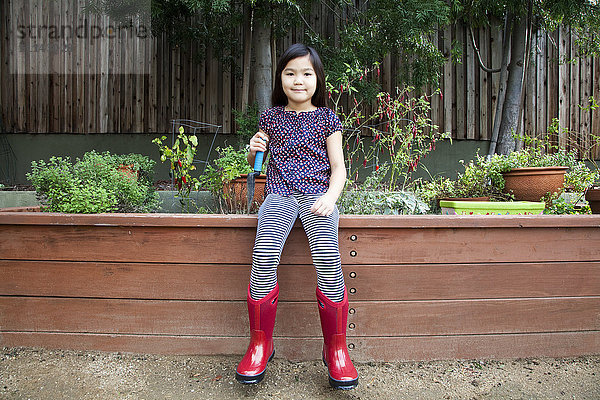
{"x": 276, "y": 218}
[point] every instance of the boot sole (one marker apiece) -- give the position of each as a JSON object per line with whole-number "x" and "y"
{"x": 253, "y": 379}
{"x": 341, "y": 385}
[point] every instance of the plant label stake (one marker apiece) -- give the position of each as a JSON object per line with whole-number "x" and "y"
{"x": 251, "y": 180}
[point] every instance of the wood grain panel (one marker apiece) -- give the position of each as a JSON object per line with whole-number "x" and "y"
{"x": 147, "y": 281}
{"x": 474, "y": 316}
{"x": 207, "y": 318}
{"x": 476, "y": 346}
{"x": 297, "y": 282}
{"x": 372, "y": 245}
{"x": 379, "y": 246}
{"x": 81, "y": 243}
{"x": 471, "y": 281}
{"x": 570, "y": 344}
{"x": 215, "y": 318}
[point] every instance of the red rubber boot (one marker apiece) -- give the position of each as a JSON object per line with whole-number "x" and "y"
{"x": 334, "y": 316}
{"x": 260, "y": 350}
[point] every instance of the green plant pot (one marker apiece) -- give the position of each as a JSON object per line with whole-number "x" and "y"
{"x": 491, "y": 208}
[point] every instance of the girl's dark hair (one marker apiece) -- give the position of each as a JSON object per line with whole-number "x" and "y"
{"x": 319, "y": 99}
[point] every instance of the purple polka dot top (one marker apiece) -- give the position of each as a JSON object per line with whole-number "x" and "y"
{"x": 298, "y": 148}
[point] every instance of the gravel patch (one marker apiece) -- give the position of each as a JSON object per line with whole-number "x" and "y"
{"x": 30, "y": 373}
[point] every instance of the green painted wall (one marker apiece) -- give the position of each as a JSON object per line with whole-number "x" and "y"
{"x": 25, "y": 148}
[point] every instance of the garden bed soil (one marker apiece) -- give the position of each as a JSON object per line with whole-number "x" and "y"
{"x": 27, "y": 373}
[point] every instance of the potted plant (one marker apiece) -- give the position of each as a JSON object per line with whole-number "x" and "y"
{"x": 226, "y": 178}
{"x": 532, "y": 172}
{"x": 471, "y": 185}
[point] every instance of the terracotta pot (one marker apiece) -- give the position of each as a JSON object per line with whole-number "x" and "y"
{"x": 592, "y": 195}
{"x": 236, "y": 194}
{"x": 533, "y": 183}
{"x": 128, "y": 171}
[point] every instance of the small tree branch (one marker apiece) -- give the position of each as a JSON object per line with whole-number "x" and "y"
{"x": 481, "y": 65}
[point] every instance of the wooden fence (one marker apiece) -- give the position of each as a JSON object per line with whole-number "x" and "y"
{"x": 96, "y": 92}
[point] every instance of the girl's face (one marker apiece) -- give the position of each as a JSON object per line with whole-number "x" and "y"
{"x": 299, "y": 82}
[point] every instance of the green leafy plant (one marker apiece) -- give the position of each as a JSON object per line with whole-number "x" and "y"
{"x": 181, "y": 156}
{"x": 229, "y": 165}
{"x": 561, "y": 204}
{"x": 374, "y": 197}
{"x": 247, "y": 121}
{"x": 94, "y": 184}
{"x": 473, "y": 182}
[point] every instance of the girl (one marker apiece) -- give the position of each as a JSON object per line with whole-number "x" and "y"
{"x": 305, "y": 177}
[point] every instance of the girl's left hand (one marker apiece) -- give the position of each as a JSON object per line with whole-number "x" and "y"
{"x": 324, "y": 206}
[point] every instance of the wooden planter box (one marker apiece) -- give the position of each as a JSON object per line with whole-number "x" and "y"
{"x": 421, "y": 287}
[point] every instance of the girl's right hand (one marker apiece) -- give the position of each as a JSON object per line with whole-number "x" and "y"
{"x": 258, "y": 142}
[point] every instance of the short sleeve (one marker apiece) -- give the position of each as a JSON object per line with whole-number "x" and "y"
{"x": 333, "y": 123}
{"x": 264, "y": 121}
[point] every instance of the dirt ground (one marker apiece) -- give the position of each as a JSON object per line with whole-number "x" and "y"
{"x": 27, "y": 373}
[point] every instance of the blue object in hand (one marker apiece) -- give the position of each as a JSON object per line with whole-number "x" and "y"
{"x": 258, "y": 161}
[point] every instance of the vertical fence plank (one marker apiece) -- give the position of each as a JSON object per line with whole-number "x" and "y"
{"x": 470, "y": 77}
{"x": 541, "y": 85}
{"x": 21, "y": 71}
{"x": 435, "y": 100}
{"x": 484, "y": 85}
{"x": 461, "y": 101}
{"x": 226, "y": 121}
{"x": 139, "y": 87}
{"x": 104, "y": 92}
{"x": 202, "y": 92}
{"x": 176, "y": 84}
{"x": 564, "y": 83}
{"x": 32, "y": 95}
{"x": 89, "y": 100}
{"x": 552, "y": 73}
{"x": 213, "y": 91}
{"x": 6, "y": 57}
{"x": 596, "y": 112}
{"x": 574, "y": 95}
{"x": 164, "y": 86}
{"x": 448, "y": 78}
{"x": 585, "y": 91}
{"x": 152, "y": 95}
{"x": 530, "y": 91}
